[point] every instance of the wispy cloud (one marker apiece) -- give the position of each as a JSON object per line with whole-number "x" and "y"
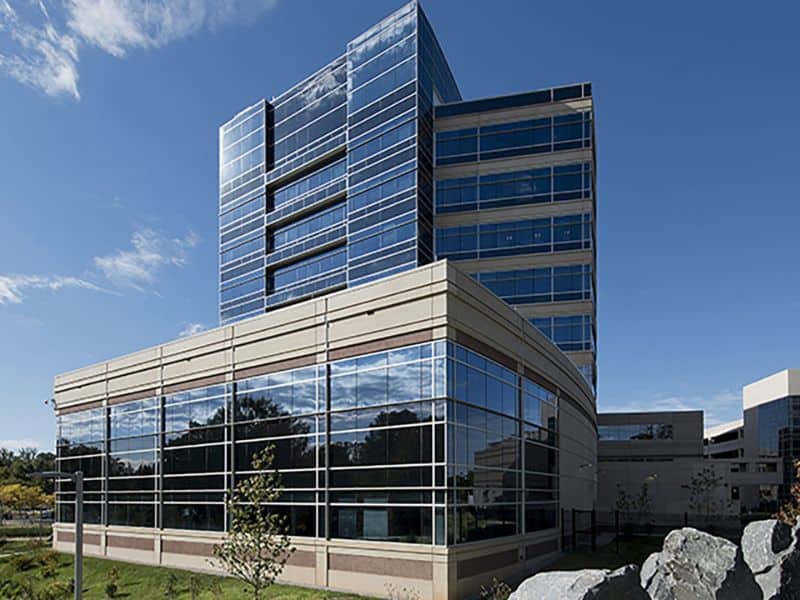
{"x": 13, "y": 287}
{"x": 718, "y": 408}
{"x": 45, "y": 42}
{"x": 192, "y": 329}
{"x": 41, "y": 56}
{"x": 138, "y": 266}
{"x": 20, "y": 444}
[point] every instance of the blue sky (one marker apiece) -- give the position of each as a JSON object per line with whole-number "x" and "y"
{"x": 108, "y": 125}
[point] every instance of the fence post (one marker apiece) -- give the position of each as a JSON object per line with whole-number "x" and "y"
{"x": 594, "y": 530}
{"x": 616, "y": 528}
{"x": 563, "y": 531}
{"x": 686, "y": 519}
{"x": 574, "y": 531}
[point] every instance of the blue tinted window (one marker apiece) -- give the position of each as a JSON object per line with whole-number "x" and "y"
{"x": 309, "y": 182}
{"x": 241, "y": 290}
{"x": 256, "y": 245}
{"x": 383, "y": 240}
{"x": 384, "y": 190}
{"x": 504, "y": 140}
{"x": 310, "y": 267}
{"x": 570, "y": 232}
{"x": 382, "y": 85}
{"x": 253, "y": 207}
{"x": 382, "y": 142}
{"x": 570, "y": 333}
{"x": 313, "y": 224}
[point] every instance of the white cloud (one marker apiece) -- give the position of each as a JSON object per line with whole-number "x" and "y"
{"x": 137, "y": 267}
{"x": 46, "y": 43}
{"x": 20, "y": 444}
{"x": 44, "y": 57}
{"x": 12, "y": 287}
{"x": 192, "y": 329}
{"x": 717, "y": 408}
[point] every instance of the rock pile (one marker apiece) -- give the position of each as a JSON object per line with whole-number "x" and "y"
{"x": 692, "y": 565}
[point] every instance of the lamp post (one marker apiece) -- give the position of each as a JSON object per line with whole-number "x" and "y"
{"x": 77, "y": 479}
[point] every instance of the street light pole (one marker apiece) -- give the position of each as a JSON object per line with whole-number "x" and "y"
{"x": 77, "y": 479}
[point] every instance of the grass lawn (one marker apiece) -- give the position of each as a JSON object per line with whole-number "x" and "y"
{"x": 635, "y": 551}
{"x": 145, "y": 582}
{"x": 12, "y": 546}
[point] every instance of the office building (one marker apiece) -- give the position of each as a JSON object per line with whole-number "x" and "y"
{"x": 772, "y": 432}
{"x": 725, "y": 440}
{"x": 426, "y": 433}
{"x": 428, "y": 429}
{"x": 661, "y": 449}
{"x": 375, "y": 165}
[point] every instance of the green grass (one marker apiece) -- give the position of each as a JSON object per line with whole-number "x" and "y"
{"x": 635, "y": 551}
{"x": 140, "y": 581}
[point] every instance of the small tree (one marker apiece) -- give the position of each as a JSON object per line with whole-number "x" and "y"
{"x": 641, "y": 504}
{"x": 644, "y": 504}
{"x": 257, "y": 547}
{"x": 704, "y": 489}
{"x": 789, "y": 513}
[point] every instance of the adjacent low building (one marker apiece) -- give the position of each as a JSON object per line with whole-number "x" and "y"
{"x": 725, "y": 440}
{"x": 427, "y": 435}
{"x": 660, "y": 450}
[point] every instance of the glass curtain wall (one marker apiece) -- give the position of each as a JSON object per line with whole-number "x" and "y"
{"x": 243, "y": 154}
{"x": 382, "y": 148}
{"x": 81, "y": 446}
{"x": 779, "y": 436}
{"x": 306, "y": 215}
{"x": 429, "y": 444}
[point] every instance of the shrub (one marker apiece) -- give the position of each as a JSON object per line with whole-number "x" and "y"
{"x": 23, "y": 562}
{"x": 112, "y": 585}
{"x": 497, "y": 591}
{"x": 789, "y": 513}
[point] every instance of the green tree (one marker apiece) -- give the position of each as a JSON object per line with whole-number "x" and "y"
{"x": 257, "y": 546}
{"x": 16, "y": 467}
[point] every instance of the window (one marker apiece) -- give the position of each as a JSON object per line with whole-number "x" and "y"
{"x": 285, "y": 277}
{"x": 550, "y": 134}
{"x": 547, "y": 284}
{"x": 570, "y": 333}
{"x": 642, "y": 431}
{"x": 308, "y": 183}
{"x": 550, "y": 234}
{"x": 430, "y": 443}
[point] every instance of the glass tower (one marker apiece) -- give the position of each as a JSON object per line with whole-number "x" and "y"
{"x": 374, "y": 165}
{"x": 330, "y": 184}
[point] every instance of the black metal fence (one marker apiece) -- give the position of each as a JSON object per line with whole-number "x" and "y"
{"x": 580, "y": 529}
{"x": 628, "y": 524}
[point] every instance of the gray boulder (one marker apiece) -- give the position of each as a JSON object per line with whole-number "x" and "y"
{"x": 694, "y": 565}
{"x": 588, "y": 584}
{"x": 772, "y": 551}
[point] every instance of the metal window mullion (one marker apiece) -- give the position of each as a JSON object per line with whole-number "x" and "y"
{"x": 326, "y": 492}
{"x": 104, "y": 465}
{"x": 162, "y": 422}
